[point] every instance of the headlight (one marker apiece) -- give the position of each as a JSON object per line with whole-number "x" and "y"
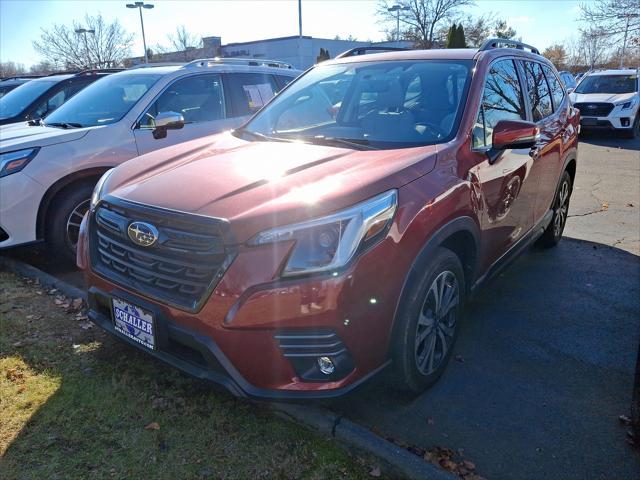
{"x": 13, "y": 162}
{"x": 97, "y": 191}
{"x": 629, "y": 104}
{"x": 329, "y": 242}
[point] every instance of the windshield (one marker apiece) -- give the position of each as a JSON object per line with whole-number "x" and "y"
{"x": 608, "y": 84}
{"x": 103, "y": 102}
{"x": 380, "y": 105}
{"x": 18, "y": 99}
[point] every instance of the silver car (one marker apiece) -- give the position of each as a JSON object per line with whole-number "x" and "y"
{"x": 48, "y": 168}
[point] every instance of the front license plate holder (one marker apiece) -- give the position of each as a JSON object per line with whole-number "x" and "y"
{"x": 134, "y": 322}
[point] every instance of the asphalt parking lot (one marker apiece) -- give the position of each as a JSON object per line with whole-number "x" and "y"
{"x": 544, "y": 362}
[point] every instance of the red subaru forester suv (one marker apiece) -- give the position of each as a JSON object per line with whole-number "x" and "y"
{"x": 340, "y": 230}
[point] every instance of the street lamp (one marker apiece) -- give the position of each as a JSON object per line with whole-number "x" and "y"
{"x": 397, "y": 8}
{"x": 83, "y": 32}
{"x": 140, "y": 6}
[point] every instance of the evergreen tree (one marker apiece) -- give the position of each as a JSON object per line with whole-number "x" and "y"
{"x": 461, "y": 42}
{"x": 451, "y": 37}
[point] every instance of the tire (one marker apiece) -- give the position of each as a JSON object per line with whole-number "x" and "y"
{"x": 63, "y": 220}
{"x": 553, "y": 233}
{"x": 418, "y": 364}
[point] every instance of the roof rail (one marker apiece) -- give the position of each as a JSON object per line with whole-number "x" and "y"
{"x": 99, "y": 70}
{"x": 354, "y": 52}
{"x": 157, "y": 64}
{"x": 253, "y": 62}
{"x": 500, "y": 42}
{"x": 18, "y": 77}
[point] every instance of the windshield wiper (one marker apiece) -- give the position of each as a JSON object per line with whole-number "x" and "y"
{"x": 64, "y": 125}
{"x": 347, "y": 142}
{"x": 261, "y": 136}
{"x": 35, "y": 122}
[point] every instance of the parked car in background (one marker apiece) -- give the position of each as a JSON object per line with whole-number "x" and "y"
{"x": 48, "y": 169}
{"x": 39, "y": 97}
{"x": 341, "y": 229}
{"x": 609, "y": 100}
{"x": 568, "y": 80}
{"x": 9, "y": 83}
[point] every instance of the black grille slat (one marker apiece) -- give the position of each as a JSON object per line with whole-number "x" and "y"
{"x": 304, "y": 343}
{"x": 594, "y": 109}
{"x": 183, "y": 266}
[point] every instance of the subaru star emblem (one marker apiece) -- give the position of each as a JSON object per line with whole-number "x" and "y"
{"x": 143, "y": 234}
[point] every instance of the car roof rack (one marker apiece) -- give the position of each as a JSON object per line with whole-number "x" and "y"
{"x": 252, "y": 62}
{"x": 492, "y": 43}
{"x": 157, "y": 64}
{"x": 354, "y": 52}
{"x": 19, "y": 77}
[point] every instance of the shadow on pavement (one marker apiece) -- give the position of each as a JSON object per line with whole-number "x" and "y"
{"x": 609, "y": 139}
{"x": 545, "y": 365}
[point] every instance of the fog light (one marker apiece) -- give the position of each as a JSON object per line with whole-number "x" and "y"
{"x": 326, "y": 365}
{"x": 625, "y": 122}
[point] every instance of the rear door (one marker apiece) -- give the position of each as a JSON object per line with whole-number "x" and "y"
{"x": 547, "y": 154}
{"x": 199, "y": 99}
{"x": 248, "y": 92}
{"x": 507, "y": 188}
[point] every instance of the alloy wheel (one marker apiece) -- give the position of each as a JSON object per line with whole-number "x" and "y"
{"x": 73, "y": 223}
{"x": 562, "y": 209}
{"x": 437, "y": 323}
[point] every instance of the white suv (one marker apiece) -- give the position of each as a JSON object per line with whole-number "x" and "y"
{"x": 609, "y": 99}
{"x": 48, "y": 168}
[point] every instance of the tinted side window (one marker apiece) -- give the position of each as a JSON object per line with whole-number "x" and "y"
{"x": 556, "y": 87}
{"x": 539, "y": 95}
{"x": 283, "y": 81}
{"x": 250, "y": 91}
{"x": 501, "y": 100}
{"x": 198, "y": 99}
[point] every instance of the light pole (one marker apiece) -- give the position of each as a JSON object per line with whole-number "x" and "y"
{"x": 83, "y": 32}
{"x": 140, "y": 6}
{"x": 396, "y": 8}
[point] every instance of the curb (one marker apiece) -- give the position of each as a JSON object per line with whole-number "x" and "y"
{"x": 26, "y": 270}
{"x": 397, "y": 459}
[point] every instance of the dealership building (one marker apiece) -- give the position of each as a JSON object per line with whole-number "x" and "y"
{"x": 299, "y": 51}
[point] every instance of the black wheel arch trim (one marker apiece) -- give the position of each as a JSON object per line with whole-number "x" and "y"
{"x": 464, "y": 224}
{"x": 57, "y": 187}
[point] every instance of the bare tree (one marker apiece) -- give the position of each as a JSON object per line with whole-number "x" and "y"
{"x": 184, "y": 43}
{"x": 557, "y": 54}
{"x": 614, "y": 18}
{"x": 108, "y": 46}
{"x": 479, "y": 29}
{"x": 594, "y": 45}
{"x": 11, "y": 69}
{"x": 421, "y": 17}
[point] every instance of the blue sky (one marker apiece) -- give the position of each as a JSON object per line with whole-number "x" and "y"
{"x": 540, "y": 22}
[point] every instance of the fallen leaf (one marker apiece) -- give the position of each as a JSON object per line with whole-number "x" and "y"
{"x": 22, "y": 389}
{"x": 375, "y": 472}
{"x": 86, "y": 325}
{"x": 459, "y": 358}
{"x": 629, "y": 204}
{"x": 17, "y": 344}
{"x": 58, "y": 301}
{"x": 469, "y": 465}
{"x": 153, "y": 426}
{"x": 604, "y": 207}
{"x": 53, "y": 291}
{"x": 625, "y": 420}
{"x": 77, "y": 303}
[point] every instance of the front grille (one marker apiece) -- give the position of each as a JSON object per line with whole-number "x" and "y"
{"x": 309, "y": 343}
{"x": 594, "y": 109}
{"x": 180, "y": 269}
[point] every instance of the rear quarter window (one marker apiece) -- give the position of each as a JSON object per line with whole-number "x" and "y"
{"x": 539, "y": 94}
{"x": 557, "y": 92}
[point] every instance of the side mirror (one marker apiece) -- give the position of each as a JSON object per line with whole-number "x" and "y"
{"x": 512, "y": 134}
{"x": 167, "y": 121}
{"x": 570, "y": 90}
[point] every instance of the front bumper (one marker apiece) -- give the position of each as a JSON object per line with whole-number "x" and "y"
{"x": 20, "y": 198}
{"x": 235, "y": 339}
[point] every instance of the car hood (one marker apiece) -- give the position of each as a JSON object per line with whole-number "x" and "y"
{"x": 601, "y": 97}
{"x": 21, "y": 135}
{"x": 258, "y": 185}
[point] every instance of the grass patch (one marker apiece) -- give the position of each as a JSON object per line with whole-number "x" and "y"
{"x": 76, "y": 403}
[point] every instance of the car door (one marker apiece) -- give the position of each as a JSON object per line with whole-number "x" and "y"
{"x": 547, "y": 153}
{"x": 199, "y": 99}
{"x": 507, "y": 190}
